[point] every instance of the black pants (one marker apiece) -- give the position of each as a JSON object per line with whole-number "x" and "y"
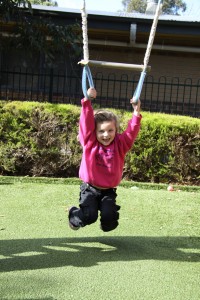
{"x": 93, "y": 200}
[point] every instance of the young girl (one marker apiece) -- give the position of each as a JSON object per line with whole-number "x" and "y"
{"x": 101, "y": 168}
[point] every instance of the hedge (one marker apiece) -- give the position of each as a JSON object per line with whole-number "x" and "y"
{"x": 39, "y": 139}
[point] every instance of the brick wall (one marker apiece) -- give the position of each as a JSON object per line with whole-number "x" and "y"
{"x": 178, "y": 75}
{"x": 182, "y": 65}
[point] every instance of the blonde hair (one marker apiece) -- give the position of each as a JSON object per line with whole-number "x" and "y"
{"x": 101, "y": 116}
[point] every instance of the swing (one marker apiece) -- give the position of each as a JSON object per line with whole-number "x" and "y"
{"x": 86, "y": 62}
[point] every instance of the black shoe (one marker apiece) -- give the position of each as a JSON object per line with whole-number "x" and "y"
{"x": 70, "y": 224}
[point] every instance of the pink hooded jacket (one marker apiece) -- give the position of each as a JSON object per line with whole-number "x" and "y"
{"x": 102, "y": 166}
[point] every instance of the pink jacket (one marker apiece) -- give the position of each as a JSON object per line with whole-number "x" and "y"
{"x": 102, "y": 166}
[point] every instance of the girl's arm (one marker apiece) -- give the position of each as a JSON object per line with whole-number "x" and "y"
{"x": 87, "y": 122}
{"x": 128, "y": 137}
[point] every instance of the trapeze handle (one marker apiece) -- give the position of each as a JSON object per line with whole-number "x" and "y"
{"x": 136, "y": 95}
{"x": 113, "y": 65}
{"x": 86, "y": 76}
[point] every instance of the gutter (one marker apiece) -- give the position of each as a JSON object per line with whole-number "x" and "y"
{"x": 144, "y": 46}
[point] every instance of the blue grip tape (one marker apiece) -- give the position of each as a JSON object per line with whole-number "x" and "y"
{"x": 86, "y": 76}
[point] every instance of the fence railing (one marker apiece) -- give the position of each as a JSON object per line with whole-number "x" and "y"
{"x": 167, "y": 95}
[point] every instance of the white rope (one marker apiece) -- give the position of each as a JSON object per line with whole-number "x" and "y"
{"x": 143, "y": 67}
{"x": 84, "y": 30}
{"x": 152, "y": 34}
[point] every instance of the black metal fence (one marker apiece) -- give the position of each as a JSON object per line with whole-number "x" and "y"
{"x": 167, "y": 95}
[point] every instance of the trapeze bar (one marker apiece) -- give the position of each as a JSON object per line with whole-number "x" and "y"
{"x": 115, "y": 65}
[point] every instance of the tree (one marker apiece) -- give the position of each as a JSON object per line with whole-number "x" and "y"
{"x": 11, "y": 8}
{"x": 44, "y": 2}
{"x": 170, "y": 7}
{"x": 36, "y": 34}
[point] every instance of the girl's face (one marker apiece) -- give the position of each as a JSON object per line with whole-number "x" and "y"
{"x": 105, "y": 132}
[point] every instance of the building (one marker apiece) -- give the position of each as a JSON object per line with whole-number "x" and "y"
{"x": 172, "y": 85}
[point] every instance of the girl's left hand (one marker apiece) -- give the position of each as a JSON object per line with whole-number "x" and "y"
{"x": 136, "y": 107}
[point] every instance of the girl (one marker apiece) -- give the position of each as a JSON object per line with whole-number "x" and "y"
{"x": 101, "y": 169}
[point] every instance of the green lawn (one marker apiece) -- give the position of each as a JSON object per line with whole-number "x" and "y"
{"x": 153, "y": 254}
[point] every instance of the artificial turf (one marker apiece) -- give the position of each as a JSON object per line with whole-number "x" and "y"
{"x": 153, "y": 254}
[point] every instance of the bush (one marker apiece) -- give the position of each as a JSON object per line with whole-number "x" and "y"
{"x": 166, "y": 150}
{"x": 39, "y": 139}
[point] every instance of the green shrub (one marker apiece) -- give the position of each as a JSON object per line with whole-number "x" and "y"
{"x": 39, "y": 139}
{"x": 166, "y": 150}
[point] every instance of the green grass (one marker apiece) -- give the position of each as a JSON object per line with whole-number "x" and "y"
{"x": 153, "y": 254}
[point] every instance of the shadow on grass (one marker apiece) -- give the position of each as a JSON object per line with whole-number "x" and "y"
{"x": 30, "y": 254}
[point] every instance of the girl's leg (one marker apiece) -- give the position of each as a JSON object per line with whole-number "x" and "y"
{"x": 87, "y": 213}
{"x": 109, "y": 210}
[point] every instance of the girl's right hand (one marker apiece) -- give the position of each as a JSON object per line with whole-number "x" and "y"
{"x": 92, "y": 93}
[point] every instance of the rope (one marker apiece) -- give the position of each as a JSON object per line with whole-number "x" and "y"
{"x": 86, "y": 74}
{"x": 84, "y": 30}
{"x": 152, "y": 34}
{"x": 138, "y": 90}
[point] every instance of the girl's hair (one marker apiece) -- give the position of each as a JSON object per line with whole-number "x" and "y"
{"x": 101, "y": 116}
